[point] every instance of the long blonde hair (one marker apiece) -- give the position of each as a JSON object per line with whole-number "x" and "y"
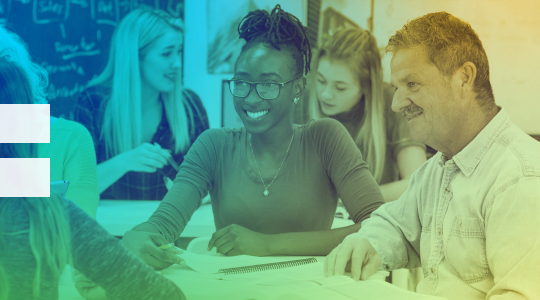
{"x": 48, "y": 238}
{"x": 48, "y": 231}
{"x": 358, "y": 49}
{"x": 122, "y": 120}
{"x": 12, "y": 46}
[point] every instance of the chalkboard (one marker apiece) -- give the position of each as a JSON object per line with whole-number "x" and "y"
{"x": 71, "y": 39}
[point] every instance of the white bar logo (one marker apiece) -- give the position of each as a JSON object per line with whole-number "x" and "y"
{"x": 24, "y": 177}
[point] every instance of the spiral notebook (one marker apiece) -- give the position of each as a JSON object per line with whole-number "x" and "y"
{"x": 242, "y": 264}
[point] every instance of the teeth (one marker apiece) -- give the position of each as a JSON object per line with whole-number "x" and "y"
{"x": 255, "y": 115}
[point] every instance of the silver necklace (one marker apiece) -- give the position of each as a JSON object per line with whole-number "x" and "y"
{"x": 266, "y": 192}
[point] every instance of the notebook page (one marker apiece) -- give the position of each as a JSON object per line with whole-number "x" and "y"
{"x": 376, "y": 290}
{"x": 274, "y": 288}
{"x": 315, "y": 294}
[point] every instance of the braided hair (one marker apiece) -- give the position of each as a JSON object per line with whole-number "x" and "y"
{"x": 277, "y": 28}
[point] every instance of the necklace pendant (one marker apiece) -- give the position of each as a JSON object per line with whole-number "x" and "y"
{"x": 266, "y": 192}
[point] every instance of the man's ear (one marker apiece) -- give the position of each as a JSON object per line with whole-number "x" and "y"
{"x": 299, "y": 87}
{"x": 467, "y": 76}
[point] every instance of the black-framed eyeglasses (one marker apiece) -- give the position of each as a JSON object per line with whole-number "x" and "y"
{"x": 265, "y": 90}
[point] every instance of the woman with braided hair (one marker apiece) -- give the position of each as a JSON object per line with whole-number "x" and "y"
{"x": 274, "y": 185}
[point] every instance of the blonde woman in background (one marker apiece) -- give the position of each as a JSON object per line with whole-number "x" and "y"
{"x": 349, "y": 87}
{"x": 140, "y": 117}
{"x": 70, "y": 150}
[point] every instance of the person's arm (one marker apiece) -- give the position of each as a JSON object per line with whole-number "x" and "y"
{"x": 144, "y": 158}
{"x": 104, "y": 260}
{"x": 111, "y": 170}
{"x": 354, "y": 183}
{"x": 409, "y": 159}
{"x": 237, "y": 240}
{"x": 192, "y": 183}
{"x": 389, "y": 238}
{"x": 80, "y": 167}
{"x": 513, "y": 241}
{"x": 317, "y": 243}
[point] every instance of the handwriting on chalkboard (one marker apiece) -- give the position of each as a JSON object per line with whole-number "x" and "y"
{"x": 81, "y": 49}
{"x": 107, "y": 12}
{"x": 105, "y": 7}
{"x": 52, "y": 69}
{"x": 64, "y": 91}
{"x": 82, "y": 3}
{"x": 48, "y": 11}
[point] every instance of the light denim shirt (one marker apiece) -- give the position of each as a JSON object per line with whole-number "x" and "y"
{"x": 472, "y": 222}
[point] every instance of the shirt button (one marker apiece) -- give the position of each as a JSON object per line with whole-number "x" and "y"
{"x": 448, "y": 190}
{"x": 433, "y": 271}
{"x": 440, "y": 231}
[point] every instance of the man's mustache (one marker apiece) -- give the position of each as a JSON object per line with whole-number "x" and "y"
{"x": 411, "y": 110}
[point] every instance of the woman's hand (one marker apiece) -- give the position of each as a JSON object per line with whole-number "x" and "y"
{"x": 237, "y": 240}
{"x": 146, "y": 245}
{"x": 87, "y": 288}
{"x": 146, "y": 158}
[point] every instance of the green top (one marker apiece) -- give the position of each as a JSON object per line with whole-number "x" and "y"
{"x": 72, "y": 157}
{"x": 323, "y": 164}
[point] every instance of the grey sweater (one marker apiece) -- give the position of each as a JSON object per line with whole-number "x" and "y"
{"x": 99, "y": 256}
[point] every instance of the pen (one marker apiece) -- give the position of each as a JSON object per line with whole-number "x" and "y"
{"x": 170, "y": 159}
{"x": 173, "y": 164}
{"x": 168, "y": 182}
{"x": 167, "y": 246}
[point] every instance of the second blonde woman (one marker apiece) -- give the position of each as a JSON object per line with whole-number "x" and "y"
{"x": 349, "y": 87}
{"x": 141, "y": 118}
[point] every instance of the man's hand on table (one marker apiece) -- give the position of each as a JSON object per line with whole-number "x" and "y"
{"x": 146, "y": 245}
{"x": 237, "y": 240}
{"x": 363, "y": 258}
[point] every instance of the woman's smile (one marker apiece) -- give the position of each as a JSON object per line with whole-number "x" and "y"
{"x": 256, "y": 115}
{"x": 327, "y": 105}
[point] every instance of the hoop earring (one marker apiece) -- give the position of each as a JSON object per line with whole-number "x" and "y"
{"x": 295, "y": 100}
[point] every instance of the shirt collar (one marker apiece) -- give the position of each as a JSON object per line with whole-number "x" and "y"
{"x": 469, "y": 158}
